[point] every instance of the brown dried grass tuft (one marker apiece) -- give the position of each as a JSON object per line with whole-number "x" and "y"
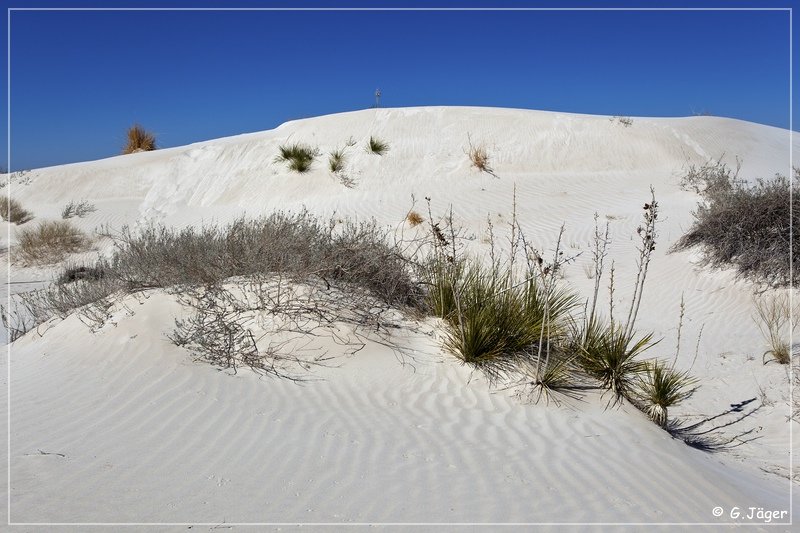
{"x": 414, "y": 219}
{"x": 139, "y": 140}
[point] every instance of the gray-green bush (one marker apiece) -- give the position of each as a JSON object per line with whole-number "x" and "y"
{"x": 746, "y": 227}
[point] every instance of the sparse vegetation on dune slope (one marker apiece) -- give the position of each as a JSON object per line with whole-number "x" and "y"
{"x": 512, "y": 319}
{"x": 512, "y": 322}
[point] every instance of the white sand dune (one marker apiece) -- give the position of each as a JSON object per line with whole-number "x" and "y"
{"x": 119, "y": 425}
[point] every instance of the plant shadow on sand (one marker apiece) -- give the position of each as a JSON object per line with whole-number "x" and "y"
{"x": 706, "y": 434}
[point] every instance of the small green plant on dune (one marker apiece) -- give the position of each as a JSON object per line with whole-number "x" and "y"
{"x": 611, "y": 352}
{"x": 556, "y": 373}
{"x": 12, "y": 211}
{"x": 297, "y": 156}
{"x": 377, "y": 146}
{"x": 139, "y": 140}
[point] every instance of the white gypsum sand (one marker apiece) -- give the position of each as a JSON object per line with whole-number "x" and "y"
{"x": 120, "y": 425}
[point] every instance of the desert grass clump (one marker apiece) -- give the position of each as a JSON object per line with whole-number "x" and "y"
{"x": 773, "y": 316}
{"x": 744, "y": 226}
{"x": 77, "y": 209}
{"x": 661, "y": 387}
{"x": 479, "y": 157}
{"x": 139, "y": 140}
{"x": 377, "y": 146}
{"x": 414, "y": 219}
{"x": 298, "y": 157}
{"x": 50, "y": 242}
{"x": 12, "y": 211}
{"x": 336, "y": 161}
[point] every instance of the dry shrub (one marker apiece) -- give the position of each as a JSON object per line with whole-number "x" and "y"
{"x": 744, "y": 226}
{"x": 12, "y": 211}
{"x": 479, "y": 157}
{"x": 414, "y": 219}
{"x": 345, "y": 272}
{"x": 50, "y": 242}
{"x": 774, "y": 319}
{"x": 299, "y": 246}
{"x": 139, "y": 140}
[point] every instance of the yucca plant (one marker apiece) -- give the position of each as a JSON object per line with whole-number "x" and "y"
{"x": 139, "y": 140}
{"x": 377, "y": 146}
{"x": 661, "y": 387}
{"x": 547, "y": 306}
{"x": 609, "y": 354}
{"x": 495, "y": 322}
{"x": 298, "y": 156}
{"x": 487, "y": 328}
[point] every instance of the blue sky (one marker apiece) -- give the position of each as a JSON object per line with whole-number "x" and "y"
{"x": 80, "y": 78}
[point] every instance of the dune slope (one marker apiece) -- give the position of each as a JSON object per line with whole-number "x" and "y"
{"x": 119, "y": 425}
